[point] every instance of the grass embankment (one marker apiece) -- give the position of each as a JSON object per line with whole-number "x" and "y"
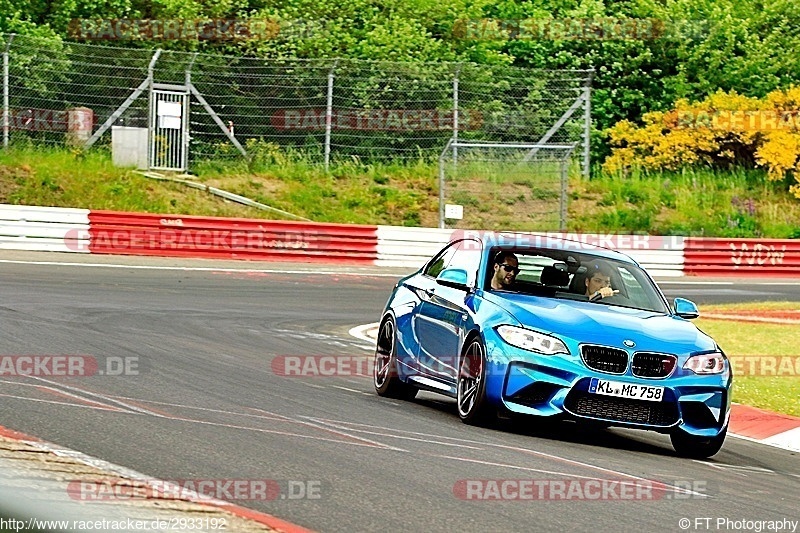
{"x": 779, "y": 392}
{"x": 738, "y": 203}
{"x": 350, "y": 194}
{"x": 730, "y": 204}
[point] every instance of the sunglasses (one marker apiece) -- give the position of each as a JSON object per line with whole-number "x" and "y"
{"x": 510, "y": 268}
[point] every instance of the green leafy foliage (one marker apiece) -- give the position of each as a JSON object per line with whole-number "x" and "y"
{"x": 692, "y": 48}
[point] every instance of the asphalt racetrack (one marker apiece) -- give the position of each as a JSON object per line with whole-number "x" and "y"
{"x": 207, "y": 404}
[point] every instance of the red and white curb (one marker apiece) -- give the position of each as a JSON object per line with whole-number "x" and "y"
{"x": 765, "y": 427}
{"x": 366, "y": 332}
{"x": 268, "y": 520}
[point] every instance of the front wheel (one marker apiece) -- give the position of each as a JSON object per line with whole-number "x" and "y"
{"x": 387, "y": 382}
{"x": 473, "y": 407}
{"x": 696, "y": 447}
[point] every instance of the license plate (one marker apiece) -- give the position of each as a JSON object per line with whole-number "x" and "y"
{"x": 626, "y": 390}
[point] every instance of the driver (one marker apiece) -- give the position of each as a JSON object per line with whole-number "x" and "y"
{"x": 598, "y": 281}
{"x": 506, "y": 268}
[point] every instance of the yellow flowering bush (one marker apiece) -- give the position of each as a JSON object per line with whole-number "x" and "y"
{"x": 724, "y": 128}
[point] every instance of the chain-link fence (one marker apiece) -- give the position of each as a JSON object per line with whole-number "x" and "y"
{"x": 321, "y": 110}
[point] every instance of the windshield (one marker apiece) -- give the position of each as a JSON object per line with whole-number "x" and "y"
{"x": 568, "y": 275}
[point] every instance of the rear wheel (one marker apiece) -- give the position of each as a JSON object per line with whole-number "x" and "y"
{"x": 387, "y": 382}
{"x": 696, "y": 447}
{"x": 473, "y": 407}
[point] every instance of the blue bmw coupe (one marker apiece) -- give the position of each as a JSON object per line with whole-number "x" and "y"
{"x": 523, "y": 324}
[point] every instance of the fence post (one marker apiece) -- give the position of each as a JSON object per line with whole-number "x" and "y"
{"x": 587, "y": 125}
{"x": 441, "y": 193}
{"x": 150, "y": 108}
{"x": 329, "y": 118}
{"x": 186, "y": 131}
{"x": 6, "y": 109}
{"x": 442, "y": 163}
{"x": 455, "y": 113}
{"x": 562, "y": 212}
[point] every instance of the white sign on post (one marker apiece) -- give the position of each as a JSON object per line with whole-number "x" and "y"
{"x": 454, "y": 211}
{"x": 169, "y": 115}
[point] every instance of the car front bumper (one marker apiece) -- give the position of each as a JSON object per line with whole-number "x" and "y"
{"x": 558, "y": 386}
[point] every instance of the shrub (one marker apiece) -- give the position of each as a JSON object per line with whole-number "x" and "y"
{"x": 723, "y": 130}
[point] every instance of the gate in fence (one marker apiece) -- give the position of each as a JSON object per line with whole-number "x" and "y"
{"x": 509, "y": 186}
{"x": 168, "y": 128}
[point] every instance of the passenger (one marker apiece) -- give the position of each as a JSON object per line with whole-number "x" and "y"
{"x": 598, "y": 281}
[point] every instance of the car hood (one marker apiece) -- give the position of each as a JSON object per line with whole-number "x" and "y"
{"x": 590, "y": 322}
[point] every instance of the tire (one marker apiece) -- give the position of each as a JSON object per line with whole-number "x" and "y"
{"x": 473, "y": 407}
{"x": 387, "y": 382}
{"x": 696, "y": 447}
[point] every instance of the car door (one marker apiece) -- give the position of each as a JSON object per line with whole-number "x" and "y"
{"x": 443, "y": 315}
{"x": 423, "y": 286}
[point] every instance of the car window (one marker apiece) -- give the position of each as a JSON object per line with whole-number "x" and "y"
{"x": 441, "y": 260}
{"x": 468, "y": 257}
{"x": 636, "y": 287}
{"x": 530, "y": 267}
{"x": 545, "y": 272}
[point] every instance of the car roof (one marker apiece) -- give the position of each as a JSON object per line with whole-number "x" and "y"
{"x": 520, "y": 241}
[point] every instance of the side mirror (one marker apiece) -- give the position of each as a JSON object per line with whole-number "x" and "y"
{"x": 686, "y": 308}
{"x": 456, "y": 278}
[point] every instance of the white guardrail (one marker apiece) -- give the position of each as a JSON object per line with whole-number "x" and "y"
{"x": 412, "y": 247}
{"x": 44, "y": 229}
{"x": 409, "y": 247}
{"x": 54, "y": 229}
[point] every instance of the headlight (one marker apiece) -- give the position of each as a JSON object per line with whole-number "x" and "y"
{"x": 531, "y": 340}
{"x": 709, "y": 363}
